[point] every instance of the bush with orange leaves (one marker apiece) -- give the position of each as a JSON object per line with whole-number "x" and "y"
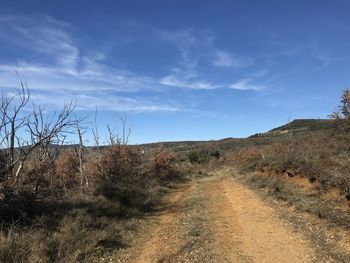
{"x": 67, "y": 169}
{"x": 163, "y": 165}
{"x": 342, "y": 115}
{"x": 248, "y": 157}
{"x": 120, "y": 164}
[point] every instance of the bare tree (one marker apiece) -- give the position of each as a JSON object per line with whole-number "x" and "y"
{"x": 28, "y": 133}
{"x": 126, "y": 131}
{"x": 114, "y": 138}
{"x": 80, "y": 150}
{"x": 12, "y": 121}
{"x": 96, "y": 135}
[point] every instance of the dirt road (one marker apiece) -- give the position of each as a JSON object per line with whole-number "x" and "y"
{"x": 216, "y": 219}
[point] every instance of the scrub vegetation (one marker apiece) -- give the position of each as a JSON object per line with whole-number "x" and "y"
{"x": 74, "y": 203}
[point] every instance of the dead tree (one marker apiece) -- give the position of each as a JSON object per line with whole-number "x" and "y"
{"x": 114, "y": 138}
{"x": 96, "y": 135}
{"x": 12, "y": 121}
{"x": 80, "y": 150}
{"x": 126, "y": 131}
{"x": 28, "y": 134}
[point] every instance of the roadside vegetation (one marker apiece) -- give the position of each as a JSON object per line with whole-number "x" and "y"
{"x": 64, "y": 202}
{"x": 305, "y": 168}
{"x": 68, "y": 203}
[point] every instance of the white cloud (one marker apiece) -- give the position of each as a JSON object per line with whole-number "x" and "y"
{"x": 245, "y": 84}
{"x": 43, "y": 35}
{"x": 174, "y": 81}
{"x": 103, "y": 101}
{"x": 123, "y": 104}
{"x": 71, "y": 70}
{"x": 65, "y": 72}
{"x": 89, "y": 78}
{"x": 63, "y": 67}
{"x": 226, "y": 59}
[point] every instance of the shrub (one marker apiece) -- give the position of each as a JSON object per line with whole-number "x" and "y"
{"x": 200, "y": 157}
{"x": 120, "y": 164}
{"x": 37, "y": 177}
{"x": 247, "y": 158}
{"x": 216, "y": 154}
{"x": 342, "y": 115}
{"x": 67, "y": 168}
{"x": 163, "y": 165}
{"x": 15, "y": 206}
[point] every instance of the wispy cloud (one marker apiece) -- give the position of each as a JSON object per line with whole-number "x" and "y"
{"x": 226, "y": 59}
{"x": 246, "y": 84}
{"x": 63, "y": 71}
{"x": 173, "y": 81}
{"x": 196, "y": 48}
{"x": 56, "y": 64}
{"x": 62, "y": 64}
{"x": 43, "y": 35}
{"x": 326, "y": 58}
{"x": 89, "y": 102}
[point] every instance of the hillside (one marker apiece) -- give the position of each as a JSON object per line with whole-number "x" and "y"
{"x": 304, "y": 125}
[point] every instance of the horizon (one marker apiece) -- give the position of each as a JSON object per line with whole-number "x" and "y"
{"x": 179, "y": 70}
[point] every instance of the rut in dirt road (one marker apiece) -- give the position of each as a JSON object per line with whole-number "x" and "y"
{"x": 216, "y": 219}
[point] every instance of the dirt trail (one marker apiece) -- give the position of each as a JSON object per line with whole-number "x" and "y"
{"x": 216, "y": 219}
{"x": 159, "y": 241}
{"x": 247, "y": 230}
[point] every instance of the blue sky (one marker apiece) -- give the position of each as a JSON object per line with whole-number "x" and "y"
{"x": 180, "y": 70}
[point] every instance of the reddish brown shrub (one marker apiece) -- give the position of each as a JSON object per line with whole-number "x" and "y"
{"x": 342, "y": 115}
{"x": 163, "y": 165}
{"x": 67, "y": 168}
{"x": 119, "y": 163}
{"x": 248, "y": 156}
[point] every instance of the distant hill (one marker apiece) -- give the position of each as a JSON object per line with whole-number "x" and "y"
{"x": 306, "y": 124}
{"x": 295, "y": 126}
{"x": 299, "y": 126}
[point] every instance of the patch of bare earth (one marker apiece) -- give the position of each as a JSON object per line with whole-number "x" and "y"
{"x": 320, "y": 216}
{"x": 175, "y": 233}
{"x": 215, "y": 219}
{"x": 247, "y": 230}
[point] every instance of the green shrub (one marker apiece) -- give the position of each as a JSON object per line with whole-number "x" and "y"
{"x": 200, "y": 157}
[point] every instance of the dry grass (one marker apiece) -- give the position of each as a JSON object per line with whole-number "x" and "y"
{"x": 302, "y": 171}
{"x": 76, "y": 226}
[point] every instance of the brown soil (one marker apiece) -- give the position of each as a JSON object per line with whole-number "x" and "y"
{"x": 302, "y": 182}
{"x": 215, "y": 219}
{"x": 247, "y": 230}
{"x": 159, "y": 241}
